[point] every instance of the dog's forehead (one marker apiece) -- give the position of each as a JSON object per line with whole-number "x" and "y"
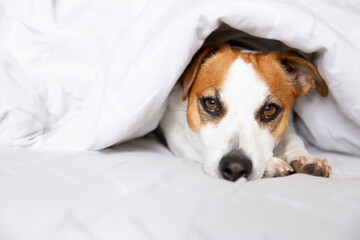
{"x": 247, "y": 70}
{"x": 270, "y": 71}
{"x": 213, "y": 71}
{"x": 243, "y": 89}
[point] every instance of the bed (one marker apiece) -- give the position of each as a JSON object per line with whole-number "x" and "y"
{"x": 84, "y": 83}
{"x": 138, "y": 190}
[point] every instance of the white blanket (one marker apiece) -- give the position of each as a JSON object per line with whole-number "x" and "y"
{"x": 87, "y": 74}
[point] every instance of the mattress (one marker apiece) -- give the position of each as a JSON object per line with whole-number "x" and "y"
{"x": 139, "y": 190}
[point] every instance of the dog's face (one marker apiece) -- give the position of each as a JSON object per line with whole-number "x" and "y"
{"x": 239, "y": 104}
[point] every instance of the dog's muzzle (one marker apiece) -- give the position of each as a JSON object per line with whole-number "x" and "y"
{"x": 235, "y": 165}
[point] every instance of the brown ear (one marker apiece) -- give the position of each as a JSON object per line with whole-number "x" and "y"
{"x": 188, "y": 77}
{"x": 304, "y": 73}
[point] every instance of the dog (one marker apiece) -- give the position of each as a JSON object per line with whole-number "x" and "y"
{"x": 231, "y": 110}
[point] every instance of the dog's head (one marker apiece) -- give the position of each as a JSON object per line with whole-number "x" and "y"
{"x": 239, "y": 105}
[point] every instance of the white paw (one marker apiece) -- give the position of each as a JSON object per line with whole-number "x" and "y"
{"x": 277, "y": 167}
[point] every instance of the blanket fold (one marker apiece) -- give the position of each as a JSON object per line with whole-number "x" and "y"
{"x": 90, "y": 74}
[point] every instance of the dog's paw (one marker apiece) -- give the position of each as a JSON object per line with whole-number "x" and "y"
{"x": 277, "y": 167}
{"x": 311, "y": 165}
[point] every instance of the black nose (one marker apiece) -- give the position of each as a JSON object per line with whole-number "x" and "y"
{"x": 234, "y": 166}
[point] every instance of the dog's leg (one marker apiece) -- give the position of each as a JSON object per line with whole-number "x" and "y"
{"x": 299, "y": 159}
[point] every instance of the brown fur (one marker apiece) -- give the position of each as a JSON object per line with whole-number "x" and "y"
{"x": 287, "y": 75}
{"x": 304, "y": 74}
{"x": 285, "y": 86}
{"x": 210, "y": 76}
{"x": 270, "y": 71}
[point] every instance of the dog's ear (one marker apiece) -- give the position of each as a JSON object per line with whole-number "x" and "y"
{"x": 188, "y": 77}
{"x": 304, "y": 74}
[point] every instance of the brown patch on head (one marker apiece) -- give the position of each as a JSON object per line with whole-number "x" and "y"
{"x": 288, "y": 77}
{"x": 269, "y": 69}
{"x": 189, "y": 75}
{"x": 204, "y": 77}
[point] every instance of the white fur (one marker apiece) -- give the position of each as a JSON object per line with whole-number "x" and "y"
{"x": 179, "y": 137}
{"x": 243, "y": 93}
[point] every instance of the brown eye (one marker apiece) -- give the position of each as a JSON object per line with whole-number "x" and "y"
{"x": 269, "y": 112}
{"x": 211, "y": 106}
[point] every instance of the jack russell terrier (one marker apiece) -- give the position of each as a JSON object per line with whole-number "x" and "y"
{"x": 231, "y": 111}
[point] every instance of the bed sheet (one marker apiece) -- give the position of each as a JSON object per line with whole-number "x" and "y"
{"x": 138, "y": 190}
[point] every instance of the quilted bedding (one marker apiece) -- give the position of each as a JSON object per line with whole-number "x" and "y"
{"x": 140, "y": 191}
{"x": 79, "y": 76}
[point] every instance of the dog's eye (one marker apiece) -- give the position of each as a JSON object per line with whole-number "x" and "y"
{"x": 269, "y": 112}
{"x": 211, "y": 106}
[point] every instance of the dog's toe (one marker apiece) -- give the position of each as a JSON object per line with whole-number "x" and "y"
{"x": 311, "y": 165}
{"x": 277, "y": 167}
